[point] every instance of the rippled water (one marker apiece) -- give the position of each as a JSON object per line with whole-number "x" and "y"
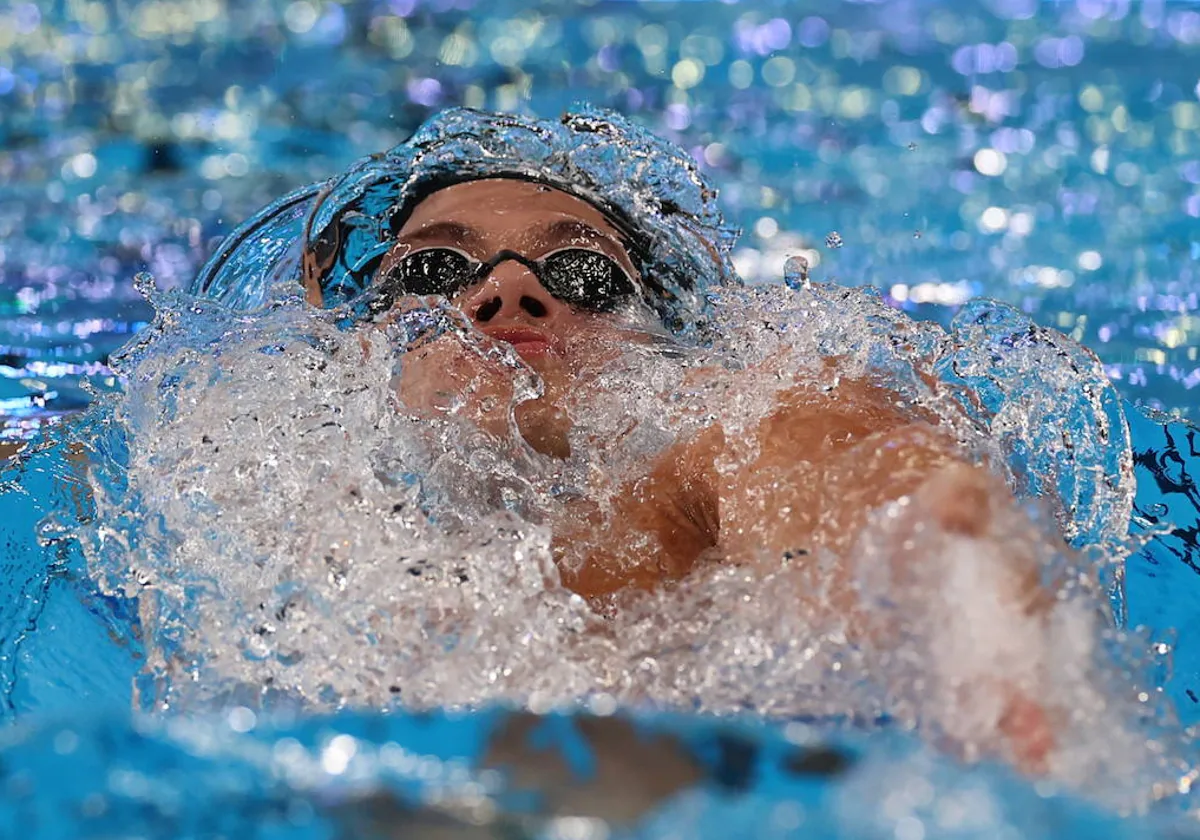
{"x": 1041, "y": 156}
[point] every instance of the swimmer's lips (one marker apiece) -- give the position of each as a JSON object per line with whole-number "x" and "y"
{"x": 527, "y": 342}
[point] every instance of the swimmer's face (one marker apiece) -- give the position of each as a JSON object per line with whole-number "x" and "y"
{"x": 482, "y": 218}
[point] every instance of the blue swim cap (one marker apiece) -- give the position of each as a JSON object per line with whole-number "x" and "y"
{"x": 650, "y": 189}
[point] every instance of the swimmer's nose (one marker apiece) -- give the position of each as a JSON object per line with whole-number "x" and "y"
{"x": 510, "y": 293}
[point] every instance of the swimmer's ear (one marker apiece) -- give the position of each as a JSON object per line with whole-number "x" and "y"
{"x": 319, "y": 254}
{"x": 311, "y": 275}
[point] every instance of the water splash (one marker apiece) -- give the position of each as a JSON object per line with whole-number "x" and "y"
{"x": 297, "y": 537}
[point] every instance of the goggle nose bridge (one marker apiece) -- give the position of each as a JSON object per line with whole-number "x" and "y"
{"x": 486, "y": 268}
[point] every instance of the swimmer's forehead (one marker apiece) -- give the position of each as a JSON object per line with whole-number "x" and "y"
{"x": 519, "y": 206}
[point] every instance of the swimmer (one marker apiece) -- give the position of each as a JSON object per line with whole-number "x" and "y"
{"x": 543, "y": 266}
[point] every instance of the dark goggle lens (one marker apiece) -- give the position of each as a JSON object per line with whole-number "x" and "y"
{"x": 434, "y": 271}
{"x": 586, "y": 279}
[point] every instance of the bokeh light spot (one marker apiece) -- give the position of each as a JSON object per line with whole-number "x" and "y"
{"x": 687, "y": 73}
{"x": 993, "y": 220}
{"x": 300, "y": 16}
{"x": 991, "y": 162}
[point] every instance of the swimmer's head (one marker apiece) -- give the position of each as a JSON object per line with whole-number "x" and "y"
{"x": 649, "y": 207}
{"x": 529, "y": 264}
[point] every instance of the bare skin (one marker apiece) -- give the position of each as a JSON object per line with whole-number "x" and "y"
{"x": 824, "y": 460}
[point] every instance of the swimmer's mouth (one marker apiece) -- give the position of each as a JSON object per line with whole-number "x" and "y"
{"x": 527, "y": 342}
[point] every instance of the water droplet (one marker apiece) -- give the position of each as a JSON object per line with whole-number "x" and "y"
{"x": 795, "y": 272}
{"x": 834, "y": 240}
{"x": 143, "y": 281}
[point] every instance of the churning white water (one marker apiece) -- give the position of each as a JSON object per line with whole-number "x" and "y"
{"x": 297, "y": 534}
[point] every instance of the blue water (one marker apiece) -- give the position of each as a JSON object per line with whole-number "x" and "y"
{"x": 1045, "y": 155}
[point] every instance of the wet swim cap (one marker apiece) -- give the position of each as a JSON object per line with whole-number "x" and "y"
{"x": 650, "y": 189}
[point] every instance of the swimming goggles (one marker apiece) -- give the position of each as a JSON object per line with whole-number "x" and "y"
{"x": 580, "y": 277}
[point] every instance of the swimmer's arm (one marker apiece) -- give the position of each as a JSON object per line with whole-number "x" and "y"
{"x": 810, "y": 471}
{"x": 816, "y": 468}
{"x": 806, "y": 479}
{"x": 816, "y": 476}
{"x": 716, "y": 497}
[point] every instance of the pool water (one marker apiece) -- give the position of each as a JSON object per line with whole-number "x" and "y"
{"x": 1042, "y": 155}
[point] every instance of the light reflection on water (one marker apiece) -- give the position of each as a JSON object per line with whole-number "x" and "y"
{"x": 1044, "y": 153}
